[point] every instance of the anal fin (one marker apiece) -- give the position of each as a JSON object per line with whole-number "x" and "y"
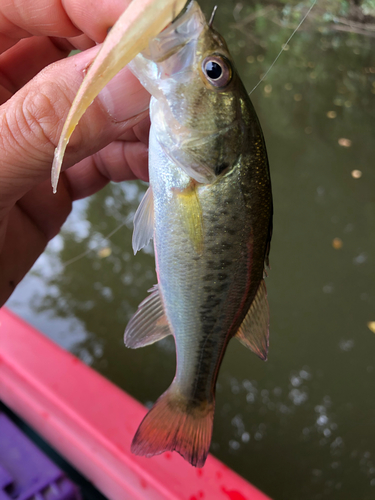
{"x": 149, "y": 324}
{"x": 254, "y": 330}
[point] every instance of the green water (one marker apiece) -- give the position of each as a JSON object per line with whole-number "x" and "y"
{"x": 302, "y": 425}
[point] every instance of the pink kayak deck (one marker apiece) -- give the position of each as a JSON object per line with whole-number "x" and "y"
{"x": 91, "y": 423}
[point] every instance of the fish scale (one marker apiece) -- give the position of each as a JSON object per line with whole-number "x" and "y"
{"x": 206, "y": 296}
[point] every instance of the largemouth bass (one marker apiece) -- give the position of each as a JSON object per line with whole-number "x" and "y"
{"x": 208, "y": 208}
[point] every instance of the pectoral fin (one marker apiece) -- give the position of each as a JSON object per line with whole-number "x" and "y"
{"x": 149, "y": 324}
{"x": 254, "y": 331}
{"x": 143, "y": 222}
{"x": 142, "y": 21}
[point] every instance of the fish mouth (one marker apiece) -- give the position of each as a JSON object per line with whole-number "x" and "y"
{"x": 184, "y": 9}
{"x": 182, "y": 32}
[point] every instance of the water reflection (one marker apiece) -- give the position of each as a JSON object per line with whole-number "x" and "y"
{"x": 302, "y": 424}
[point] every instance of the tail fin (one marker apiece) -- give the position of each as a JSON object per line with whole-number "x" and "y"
{"x": 174, "y": 424}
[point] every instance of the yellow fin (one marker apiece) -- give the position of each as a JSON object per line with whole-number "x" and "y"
{"x": 140, "y": 23}
{"x": 192, "y": 215}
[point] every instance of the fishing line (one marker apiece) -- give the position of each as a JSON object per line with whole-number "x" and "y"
{"x": 283, "y": 47}
{"x": 83, "y": 254}
{"x": 210, "y": 22}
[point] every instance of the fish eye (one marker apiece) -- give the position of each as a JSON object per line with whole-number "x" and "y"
{"x": 217, "y": 70}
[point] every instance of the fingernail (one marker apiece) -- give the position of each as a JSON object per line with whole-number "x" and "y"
{"x": 124, "y": 97}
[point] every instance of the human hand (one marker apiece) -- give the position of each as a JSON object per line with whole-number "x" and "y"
{"x": 110, "y": 142}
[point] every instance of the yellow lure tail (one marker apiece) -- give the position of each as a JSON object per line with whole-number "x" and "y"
{"x": 141, "y": 21}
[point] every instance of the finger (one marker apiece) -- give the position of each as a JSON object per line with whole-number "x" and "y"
{"x": 81, "y": 42}
{"x": 23, "y": 19}
{"x": 142, "y": 130}
{"x": 47, "y": 211}
{"x": 26, "y": 230}
{"x": 139, "y": 132}
{"x": 120, "y": 161}
{"x": 68, "y": 18}
{"x": 17, "y": 259}
{"x": 7, "y": 41}
{"x": 5, "y": 94}
{"x": 38, "y": 52}
{"x": 23, "y": 61}
{"x": 31, "y": 122}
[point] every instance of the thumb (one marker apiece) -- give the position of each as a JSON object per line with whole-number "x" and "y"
{"x": 32, "y": 120}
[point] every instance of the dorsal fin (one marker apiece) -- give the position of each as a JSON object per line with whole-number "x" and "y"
{"x": 143, "y": 222}
{"x": 254, "y": 330}
{"x": 268, "y": 245}
{"x": 149, "y": 324}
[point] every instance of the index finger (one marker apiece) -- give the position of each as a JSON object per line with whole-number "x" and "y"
{"x": 66, "y": 18}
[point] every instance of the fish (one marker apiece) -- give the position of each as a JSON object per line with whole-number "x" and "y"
{"x": 209, "y": 212}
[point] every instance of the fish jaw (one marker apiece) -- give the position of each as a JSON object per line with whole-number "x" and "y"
{"x": 171, "y": 54}
{"x": 168, "y": 62}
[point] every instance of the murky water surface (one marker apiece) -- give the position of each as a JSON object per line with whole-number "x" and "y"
{"x": 302, "y": 425}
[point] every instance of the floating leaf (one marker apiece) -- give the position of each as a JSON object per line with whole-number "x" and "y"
{"x": 104, "y": 252}
{"x": 268, "y": 89}
{"x": 346, "y": 143}
{"x": 356, "y": 174}
{"x": 337, "y": 243}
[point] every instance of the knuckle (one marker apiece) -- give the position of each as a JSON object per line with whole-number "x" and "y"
{"x": 32, "y": 122}
{"x": 40, "y": 115}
